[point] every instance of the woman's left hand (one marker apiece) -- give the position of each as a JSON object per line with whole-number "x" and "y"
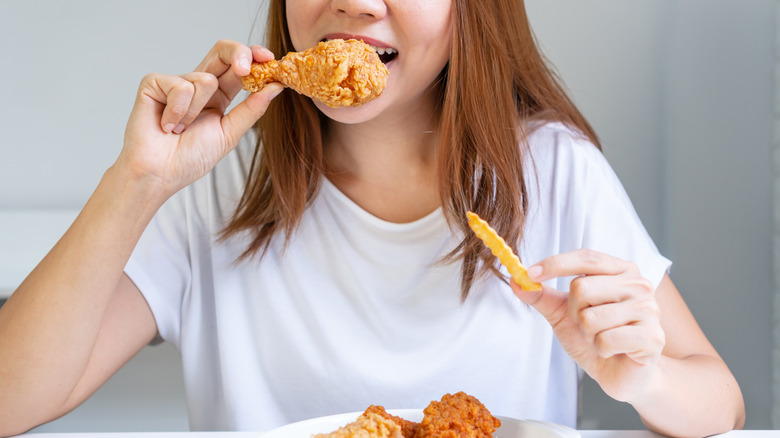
{"x": 609, "y": 322}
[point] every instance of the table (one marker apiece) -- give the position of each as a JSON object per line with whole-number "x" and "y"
{"x": 583, "y": 433}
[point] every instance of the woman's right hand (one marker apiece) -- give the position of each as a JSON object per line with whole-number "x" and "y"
{"x": 78, "y": 296}
{"x": 178, "y": 129}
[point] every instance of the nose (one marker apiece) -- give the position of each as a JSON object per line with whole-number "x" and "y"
{"x": 360, "y": 8}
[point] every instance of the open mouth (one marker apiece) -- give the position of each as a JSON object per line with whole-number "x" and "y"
{"x": 386, "y": 54}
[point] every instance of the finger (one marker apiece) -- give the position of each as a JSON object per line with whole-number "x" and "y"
{"x": 261, "y": 54}
{"x": 638, "y": 342}
{"x": 594, "y": 290}
{"x": 238, "y": 121}
{"x": 173, "y": 93}
{"x": 591, "y": 294}
{"x": 549, "y": 302}
{"x": 579, "y": 262}
{"x": 229, "y": 61}
{"x": 598, "y": 319}
{"x": 224, "y": 55}
{"x": 204, "y": 85}
{"x": 231, "y": 83}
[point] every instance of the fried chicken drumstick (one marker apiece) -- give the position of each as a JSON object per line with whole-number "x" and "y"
{"x": 336, "y": 72}
{"x": 457, "y": 415}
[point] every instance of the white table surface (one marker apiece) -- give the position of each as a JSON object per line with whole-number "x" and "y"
{"x": 583, "y": 433}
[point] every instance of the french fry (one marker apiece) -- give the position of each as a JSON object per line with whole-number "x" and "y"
{"x": 500, "y": 249}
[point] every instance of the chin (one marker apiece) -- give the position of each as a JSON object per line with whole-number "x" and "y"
{"x": 352, "y": 115}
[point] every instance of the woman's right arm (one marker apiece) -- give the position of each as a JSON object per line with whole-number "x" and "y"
{"x": 77, "y": 318}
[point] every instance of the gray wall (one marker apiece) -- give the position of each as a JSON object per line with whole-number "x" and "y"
{"x": 681, "y": 93}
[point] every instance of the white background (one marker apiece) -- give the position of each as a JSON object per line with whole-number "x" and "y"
{"x": 681, "y": 92}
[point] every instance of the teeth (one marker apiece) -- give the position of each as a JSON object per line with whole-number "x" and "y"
{"x": 383, "y": 50}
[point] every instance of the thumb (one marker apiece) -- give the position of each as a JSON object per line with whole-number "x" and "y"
{"x": 550, "y": 302}
{"x": 241, "y": 118}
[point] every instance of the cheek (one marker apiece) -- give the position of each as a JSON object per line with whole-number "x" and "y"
{"x": 300, "y": 16}
{"x": 430, "y": 24}
{"x": 434, "y": 17}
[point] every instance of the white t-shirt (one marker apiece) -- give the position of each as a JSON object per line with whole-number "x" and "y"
{"x": 357, "y": 311}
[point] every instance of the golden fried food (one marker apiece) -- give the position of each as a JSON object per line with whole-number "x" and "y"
{"x": 366, "y": 426}
{"x": 408, "y": 428}
{"x": 500, "y": 249}
{"x": 457, "y": 416}
{"x": 336, "y": 72}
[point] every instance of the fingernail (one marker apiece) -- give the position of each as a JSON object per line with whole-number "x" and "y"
{"x": 169, "y": 127}
{"x": 267, "y": 53}
{"x": 179, "y": 128}
{"x": 535, "y": 272}
{"x": 275, "y": 93}
{"x": 245, "y": 63}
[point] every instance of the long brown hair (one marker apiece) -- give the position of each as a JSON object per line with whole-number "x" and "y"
{"x": 497, "y": 83}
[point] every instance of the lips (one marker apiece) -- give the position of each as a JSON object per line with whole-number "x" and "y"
{"x": 385, "y": 52}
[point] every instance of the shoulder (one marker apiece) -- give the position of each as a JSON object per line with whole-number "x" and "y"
{"x": 568, "y": 177}
{"x": 556, "y": 141}
{"x": 563, "y": 157}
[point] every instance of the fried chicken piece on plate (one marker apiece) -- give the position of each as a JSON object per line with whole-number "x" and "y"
{"x": 408, "y": 428}
{"x": 336, "y": 72}
{"x": 457, "y": 416}
{"x": 366, "y": 426}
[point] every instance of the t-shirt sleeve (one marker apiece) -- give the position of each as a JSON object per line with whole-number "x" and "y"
{"x": 581, "y": 203}
{"x": 612, "y": 224}
{"x": 160, "y": 267}
{"x": 172, "y": 262}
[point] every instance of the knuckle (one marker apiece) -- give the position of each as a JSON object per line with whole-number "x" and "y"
{"x": 653, "y": 340}
{"x": 223, "y": 42}
{"x": 201, "y": 80}
{"x": 220, "y": 45}
{"x": 184, "y": 88}
{"x": 659, "y": 339}
{"x": 176, "y": 111}
{"x": 150, "y": 79}
{"x": 646, "y": 285}
{"x": 603, "y": 343}
{"x": 631, "y": 268}
{"x": 588, "y": 318}
{"x": 208, "y": 81}
{"x": 648, "y": 307}
{"x": 591, "y": 257}
{"x": 642, "y": 287}
{"x": 580, "y": 288}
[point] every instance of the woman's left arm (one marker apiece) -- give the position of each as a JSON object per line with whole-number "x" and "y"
{"x": 642, "y": 345}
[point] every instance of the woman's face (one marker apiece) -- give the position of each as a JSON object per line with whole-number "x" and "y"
{"x": 414, "y": 36}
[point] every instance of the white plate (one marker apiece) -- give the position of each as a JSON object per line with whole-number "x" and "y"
{"x": 510, "y": 427}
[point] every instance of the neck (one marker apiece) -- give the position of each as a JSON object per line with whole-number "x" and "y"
{"x": 386, "y": 165}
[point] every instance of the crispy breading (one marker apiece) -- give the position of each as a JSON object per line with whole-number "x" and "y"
{"x": 336, "y": 72}
{"x": 408, "y": 428}
{"x": 457, "y": 416}
{"x": 366, "y": 426}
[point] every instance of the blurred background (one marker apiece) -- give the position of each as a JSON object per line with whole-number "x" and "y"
{"x": 682, "y": 93}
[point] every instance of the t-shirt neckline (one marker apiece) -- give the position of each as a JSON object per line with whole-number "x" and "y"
{"x": 432, "y": 219}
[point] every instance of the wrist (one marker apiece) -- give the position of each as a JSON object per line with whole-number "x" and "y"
{"x": 138, "y": 189}
{"x": 128, "y": 195}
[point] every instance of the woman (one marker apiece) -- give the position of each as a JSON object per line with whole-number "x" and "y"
{"x": 325, "y": 264}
